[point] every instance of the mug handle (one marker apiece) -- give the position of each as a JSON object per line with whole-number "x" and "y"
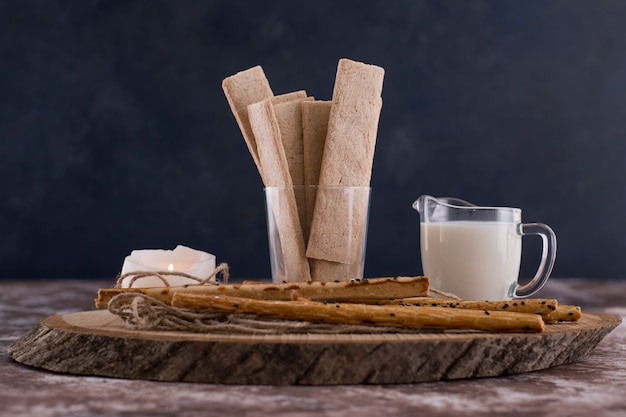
{"x": 548, "y": 257}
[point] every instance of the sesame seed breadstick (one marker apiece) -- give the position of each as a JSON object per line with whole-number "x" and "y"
{"x": 549, "y": 309}
{"x": 344, "y": 313}
{"x": 543, "y": 307}
{"x": 385, "y": 287}
{"x": 530, "y": 305}
{"x": 564, "y": 313}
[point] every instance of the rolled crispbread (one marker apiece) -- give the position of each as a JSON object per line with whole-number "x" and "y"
{"x": 564, "y": 313}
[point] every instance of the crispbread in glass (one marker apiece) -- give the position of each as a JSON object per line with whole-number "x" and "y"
{"x": 352, "y": 237}
{"x": 348, "y": 157}
{"x": 289, "y": 118}
{"x": 314, "y": 127}
{"x": 242, "y": 89}
{"x": 283, "y": 208}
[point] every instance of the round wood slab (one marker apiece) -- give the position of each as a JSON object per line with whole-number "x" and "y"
{"x": 97, "y": 343}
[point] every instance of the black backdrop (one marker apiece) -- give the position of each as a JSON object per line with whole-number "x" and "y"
{"x": 115, "y": 134}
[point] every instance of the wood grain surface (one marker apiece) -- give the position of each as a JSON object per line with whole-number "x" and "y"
{"x": 97, "y": 343}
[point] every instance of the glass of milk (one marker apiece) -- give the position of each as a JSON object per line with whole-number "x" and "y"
{"x": 475, "y": 252}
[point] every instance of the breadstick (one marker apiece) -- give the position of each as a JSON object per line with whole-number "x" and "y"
{"x": 564, "y": 313}
{"x": 343, "y": 313}
{"x": 543, "y": 307}
{"x": 397, "y": 287}
{"x": 282, "y": 207}
{"x": 549, "y": 309}
{"x": 530, "y": 305}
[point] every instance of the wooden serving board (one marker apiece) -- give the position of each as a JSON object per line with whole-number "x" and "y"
{"x": 97, "y": 343}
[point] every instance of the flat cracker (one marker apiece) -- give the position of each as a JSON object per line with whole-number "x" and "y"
{"x": 347, "y": 161}
{"x": 294, "y": 95}
{"x": 276, "y": 171}
{"x": 289, "y": 118}
{"x": 314, "y": 127}
{"x": 241, "y": 90}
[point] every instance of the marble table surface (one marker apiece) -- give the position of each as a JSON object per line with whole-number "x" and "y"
{"x": 594, "y": 386}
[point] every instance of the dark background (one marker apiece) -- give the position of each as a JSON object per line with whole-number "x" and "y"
{"x": 115, "y": 133}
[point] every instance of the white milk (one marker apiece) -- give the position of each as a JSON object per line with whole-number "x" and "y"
{"x": 471, "y": 259}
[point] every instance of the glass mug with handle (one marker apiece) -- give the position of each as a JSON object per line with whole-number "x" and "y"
{"x": 475, "y": 252}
